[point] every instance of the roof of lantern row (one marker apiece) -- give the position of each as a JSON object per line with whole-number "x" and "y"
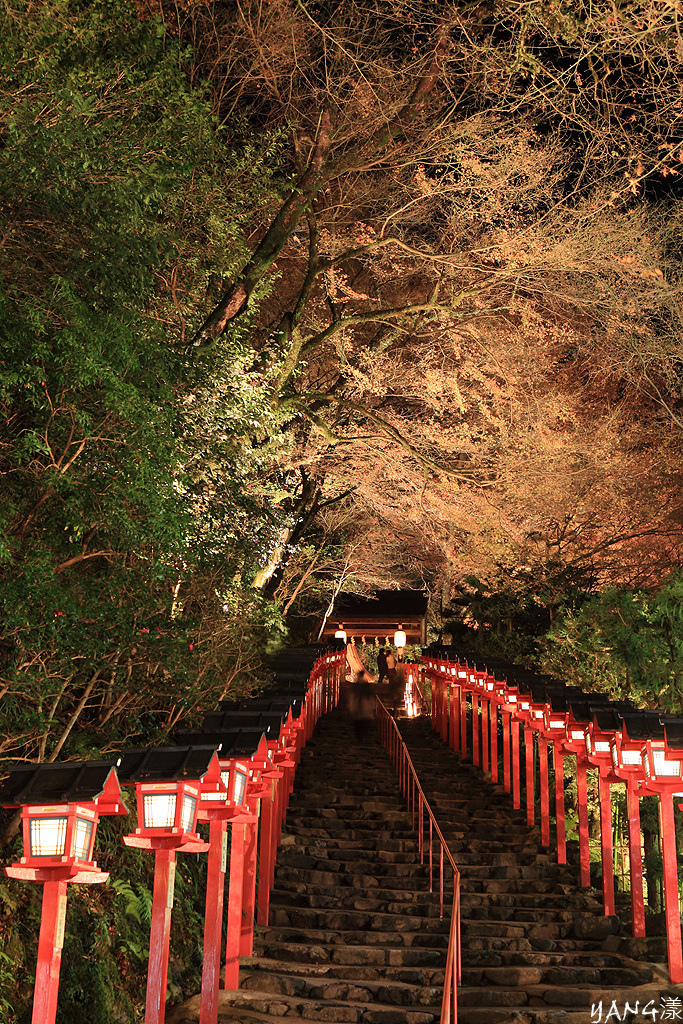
{"x": 643, "y": 725}
{"x": 227, "y": 721}
{"x": 235, "y": 742}
{"x": 261, "y": 706}
{"x": 586, "y": 707}
{"x": 69, "y": 782}
{"x": 380, "y": 615}
{"x": 165, "y": 764}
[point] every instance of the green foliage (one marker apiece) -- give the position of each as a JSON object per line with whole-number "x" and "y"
{"x": 138, "y": 900}
{"x": 628, "y": 644}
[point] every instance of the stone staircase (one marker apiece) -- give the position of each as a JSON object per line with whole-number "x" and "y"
{"x": 355, "y": 935}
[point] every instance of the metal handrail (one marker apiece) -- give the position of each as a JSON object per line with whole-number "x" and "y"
{"x": 409, "y": 785}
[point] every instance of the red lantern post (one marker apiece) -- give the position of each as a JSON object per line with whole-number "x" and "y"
{"x": 61, "y": 806}
{"x": 664, "y": 776}
{"x": 169, "y": 782}
{"x": 598, "y": 752}
{"x": 627, "y": 762}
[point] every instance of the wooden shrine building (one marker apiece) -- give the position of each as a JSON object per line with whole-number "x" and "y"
{"x": 380, "y": 615}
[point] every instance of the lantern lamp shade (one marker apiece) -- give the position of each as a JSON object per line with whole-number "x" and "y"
{"x": 82, "y": 838}
{"x": 165, "y": 808}
{"x": 158, "y": 809}
{"x": 62, "y": 832}
{"x": 47, "y": 836}
{"x": 659, "y": 766}
{"x": 341, "y": 633}
{"x": 188, "y": 813}
{"x": 239, "y": 788}
{"x": 400, "y": 637}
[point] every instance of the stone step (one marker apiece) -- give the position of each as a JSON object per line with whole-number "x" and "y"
{"x": 555, "y": 957}
{"x": 523, "y": 976}
{"x": 334, "y": 936}
{"x": 385, "y": 991}
{"x": 273, "y": 947}
{"x": 349, "y": 892}
{"x": 423, "y": 974}
{"x": 366, "y": 881}
{"x": 295, "y": 836}
{"x": 354, "y": 921}
{"x": 294, "y": 1008}
{"x": 575, "y": 997}
{"x": 340, "y": 898}
{"x": 321, "y": 850}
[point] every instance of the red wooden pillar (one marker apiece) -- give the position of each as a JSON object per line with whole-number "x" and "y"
{"x": 444, "y": 711}
{"x": 213, "y": 921}
{"x": 485, "y": 734}
{"x": 545, "y": 797}
{"x": 50, "y": 942}
{"x": 265, "y": 853}
{"x": 635, "y": 860}
{"x": 463, "y": 722}
{"x": 433, "y": 701}
{"x": 249, "y": 884}
{"x": 606, "y": 846}
{"x": 516, "y": 791}
{"x": 234, "y": 929}
{"x": 506, "y": 751}
{"x": 529, "y": 773}
{"x": 560, "y": 834}
{"x": 672, "y": 910}
{"x": 582, "y": 801}
{"x": 493, "y": 733}
{"x": 160, "y": 932}
{"x": 454, "y": 732}
{"x": 475, "y": 728}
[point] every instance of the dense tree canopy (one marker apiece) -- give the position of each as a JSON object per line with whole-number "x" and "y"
{"x": 300, "y": 294}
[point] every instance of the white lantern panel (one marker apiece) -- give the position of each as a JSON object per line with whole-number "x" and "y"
{"x": 556, "y": 723}
{"x": 665, "y": 767}
{"x": 631, "y": 757}
{"x": 158, "y": 810}
{"x": 48, "y": 837}
{"x": 80, "y": 842}
{"x": 240, "y": 788}
{"x": 601, "y": 747}
{"x": 188, "y": 813}
{"x": 577, "y": 734}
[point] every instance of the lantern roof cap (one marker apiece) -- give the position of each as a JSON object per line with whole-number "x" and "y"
{"x": 232, "y": 742}
{"x": 607, "y": 719}
{"x": 227, "y": 721}
{"x": 274, "y": 704}
{"x": 673, "y": 732}
{"x": 643, "y": 725}
{"x": 58, "y": 783}
{"x": 166, "y": 764}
